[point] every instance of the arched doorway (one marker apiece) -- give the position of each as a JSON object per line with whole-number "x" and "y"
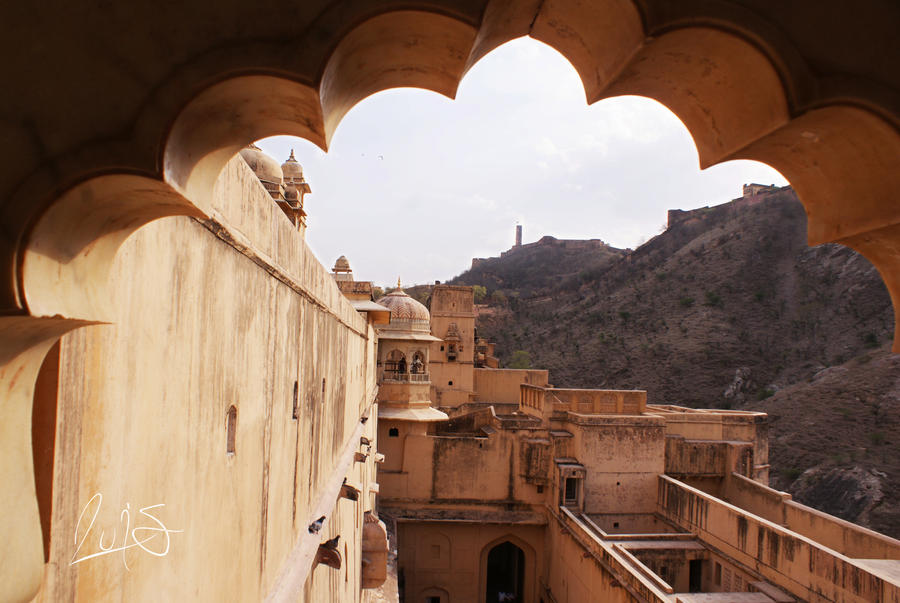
{"x": 505, "y": 580}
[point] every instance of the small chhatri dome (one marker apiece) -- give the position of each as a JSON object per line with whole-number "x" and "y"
{"x": 342, "y": 265}
{"x": 406, "y": 313}
{"x": 265, "y": 167}
{"x": 292, "y": 169}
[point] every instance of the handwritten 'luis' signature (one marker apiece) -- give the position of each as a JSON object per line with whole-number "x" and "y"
{"x": 140, "y": 535}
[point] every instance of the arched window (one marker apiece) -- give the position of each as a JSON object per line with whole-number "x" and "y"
{"x": 418, "y": 364}
{"x": 395, "y": 366}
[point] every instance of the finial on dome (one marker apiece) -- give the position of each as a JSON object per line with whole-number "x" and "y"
{"x": 291, "y": 158}
{"x": 398, "y": 282}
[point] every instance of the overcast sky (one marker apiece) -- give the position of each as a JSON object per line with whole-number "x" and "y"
{"x": 416, "y": 185}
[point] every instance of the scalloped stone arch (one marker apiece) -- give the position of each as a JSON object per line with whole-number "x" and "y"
{"x": 844, "y": 163}
{"x": 729, "y": 93}
{"x": 397, "y": 49}
{"x": 725, "y": 89}
{"x": 227, "y": 116}
{"x": 733, "y": 78}
{"x": 24, "y": 343}
{"x": 72, "y": 247}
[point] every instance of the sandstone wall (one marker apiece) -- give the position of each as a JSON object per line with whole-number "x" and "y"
{"x": 234, "y": 314}
{"x": 803, "y": 567}
{"x": 461, "y": 471}
{"x": 450, "y": 560}
{"x": 842, "y": 536}
{"x": 502, "y": 385}
{"x": 622, "y": 457}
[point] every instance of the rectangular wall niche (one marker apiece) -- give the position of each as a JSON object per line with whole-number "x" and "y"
{"x": 230, "y": 429}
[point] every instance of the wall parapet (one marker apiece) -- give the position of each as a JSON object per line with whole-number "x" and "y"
{"x": 709, "y": 424}
{"x": 809, "y": 570}
{"x": 840, "y": 535}
{"x": 503, "y": 385}
{"x": 544, "y": 401}
{"x": 610, "y": 557}
{"x": 245, "y": 217}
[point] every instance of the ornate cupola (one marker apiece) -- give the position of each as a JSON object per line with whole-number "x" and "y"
{"x": 341, "y": 270}
{"x": 266, "y": 169}
{"x": 284, "y": 183}
{"x": 407, "y": 314}
{"x": 404, "y": 392}
{"x": 295, "y": 188}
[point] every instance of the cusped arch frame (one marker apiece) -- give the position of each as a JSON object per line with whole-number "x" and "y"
{"x": 842, "y": 158}
{"x": 727, "y": 92}
{"x": 69, "y": 249}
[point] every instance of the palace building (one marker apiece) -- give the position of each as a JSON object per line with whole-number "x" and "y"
{"x": 195, "y": 409}
{"x": 505, "y": 488}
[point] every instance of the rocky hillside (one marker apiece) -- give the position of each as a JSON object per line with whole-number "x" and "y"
{"x": 727, "y": 305}
{"x": 538, "y": 268}
{"x": 727, "y": 308}
{"x": 835, "y": 440}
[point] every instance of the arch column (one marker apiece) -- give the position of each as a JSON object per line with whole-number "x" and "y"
{"x": 882, "y": 248}
{"x": 844, "y": 163}
{"x": 24, "y": 343}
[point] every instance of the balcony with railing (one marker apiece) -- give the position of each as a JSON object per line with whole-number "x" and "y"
{"x": 406, "y": 377}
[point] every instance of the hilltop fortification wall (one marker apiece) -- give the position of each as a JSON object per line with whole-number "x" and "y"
{"x": 753, "y": 194}
{"x": 545, "y": 241}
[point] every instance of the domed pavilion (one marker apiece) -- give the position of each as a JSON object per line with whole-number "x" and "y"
{"x": 284, "y": 183}
{"x": 404, "y": 384}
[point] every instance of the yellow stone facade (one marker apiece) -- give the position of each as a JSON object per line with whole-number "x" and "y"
{"x": 216, "y": 405}
{"x": 528, "y": 492}
{"x": 156, "y": 313}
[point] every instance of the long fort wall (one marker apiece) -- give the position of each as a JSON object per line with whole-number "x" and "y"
{"x": 229, "y": 390}
{"x": 801, "y": 566}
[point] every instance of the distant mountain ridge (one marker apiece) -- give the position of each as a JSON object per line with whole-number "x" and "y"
{"x": 833, "y": 440}
{"x": 726, "y": 292}
{"x": 513, "y": 270}
{"x": 728, "y": 308}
